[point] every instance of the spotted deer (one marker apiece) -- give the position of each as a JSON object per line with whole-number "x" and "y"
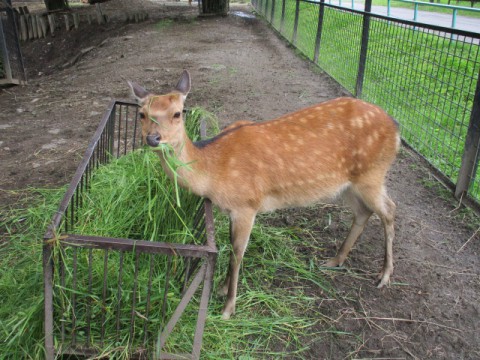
{"x": 342, "y": 147}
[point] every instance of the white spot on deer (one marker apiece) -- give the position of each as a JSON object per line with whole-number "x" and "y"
{"x": 357, "y": 122}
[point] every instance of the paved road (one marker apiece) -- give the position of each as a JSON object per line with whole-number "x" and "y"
{"x": 463, "y": 22}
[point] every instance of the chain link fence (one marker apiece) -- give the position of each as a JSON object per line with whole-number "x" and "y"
{"x": 425, "y": 76}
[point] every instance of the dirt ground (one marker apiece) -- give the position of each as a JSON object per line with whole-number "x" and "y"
{"x": 242, "y": 70}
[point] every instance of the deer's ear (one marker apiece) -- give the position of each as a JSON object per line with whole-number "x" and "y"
{"x": 183, "y": 85}
{"x": 138, "y": 92}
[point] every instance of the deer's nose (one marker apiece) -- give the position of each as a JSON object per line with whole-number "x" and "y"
{"x": 153, "y": 140}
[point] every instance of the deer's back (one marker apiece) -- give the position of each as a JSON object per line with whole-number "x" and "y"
{"x": 303, "y": 156}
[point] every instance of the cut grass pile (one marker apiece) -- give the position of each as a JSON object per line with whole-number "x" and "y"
{"x": 277, "y": 309}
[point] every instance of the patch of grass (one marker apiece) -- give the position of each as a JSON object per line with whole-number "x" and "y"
{"x": 163, "y": 24}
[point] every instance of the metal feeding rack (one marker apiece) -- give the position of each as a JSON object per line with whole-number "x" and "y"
{"x": 87, "y": 300}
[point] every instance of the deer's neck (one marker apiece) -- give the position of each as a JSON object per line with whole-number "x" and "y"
{"x": 188, "y": 166}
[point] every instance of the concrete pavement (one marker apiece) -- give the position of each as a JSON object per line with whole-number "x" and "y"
{"x": 463, "y": 22}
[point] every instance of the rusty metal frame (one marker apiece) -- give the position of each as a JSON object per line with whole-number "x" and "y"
{"x": 117, "y": 134}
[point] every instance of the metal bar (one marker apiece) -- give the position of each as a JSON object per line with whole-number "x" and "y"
{"x": 197, "y": 280}
{"x": 126, "y": 132}
{"x": 203, "y": 307}
{"x": 282, "y": 18}
{"x": 187, "y": 274}
{"x": 78, "y": 193}
{"x": 134, "y": 297}
{"x": 74, "y": 298}
{"x": 48, "y": 301}
{"x": 199, "y": 215}
{"x": 321, "y": 13}
{"x": 363, "y": 49}
{"x": 72, "y": 214}
{"x": 119, "y": 293}
{"x": 149, "y": 292}
{"x": 295, "y": 24}
{"x": 135, "y": 121}
{"x": 210, "y": 227}
{"x": 119, "y": 130}
{"x": 62, "y": 284}
{"x": 470, "y": 159}
{"x": 104, "y": 296}
{"x": 139, "y": 245}
{"x": 165, "y": 290}
{"x": 111, "y": 132}
{"x": 88, "y": 310}
{"x": 65, "y": 224}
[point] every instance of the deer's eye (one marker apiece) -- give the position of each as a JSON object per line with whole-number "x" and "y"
{"x": 142, "y": 115}
{"x": 177, "y": 114}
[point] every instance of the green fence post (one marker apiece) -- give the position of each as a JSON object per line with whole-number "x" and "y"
{"x": 470, "y": 156}
{"x": 321, "y": 13}
{"x": 295, "y": 24}
{"x": 282, "y": 18}
{"x": 363, "y": 49}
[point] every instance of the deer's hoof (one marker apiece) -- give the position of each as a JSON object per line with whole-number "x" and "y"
{"x": 223, "y": 291}
{"x": 334, "y": 262}
{"x": 384, "y": 278}
{"x": 228, "y": 311}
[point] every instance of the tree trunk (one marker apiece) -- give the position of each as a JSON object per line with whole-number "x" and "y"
{"x": 53, "y": 5}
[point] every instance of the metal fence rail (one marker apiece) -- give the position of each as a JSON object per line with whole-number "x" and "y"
{"x": 90, "y": 308}
{"x": 425, "y": 76}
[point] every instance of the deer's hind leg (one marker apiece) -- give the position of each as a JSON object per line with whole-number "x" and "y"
{"x": 375, "y": 198}
{"x": 361, "y": 214}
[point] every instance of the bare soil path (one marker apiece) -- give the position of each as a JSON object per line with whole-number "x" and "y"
{"x": 242, "y": 70}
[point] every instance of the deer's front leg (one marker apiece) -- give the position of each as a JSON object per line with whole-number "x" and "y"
{"x": 241, "y": 227}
